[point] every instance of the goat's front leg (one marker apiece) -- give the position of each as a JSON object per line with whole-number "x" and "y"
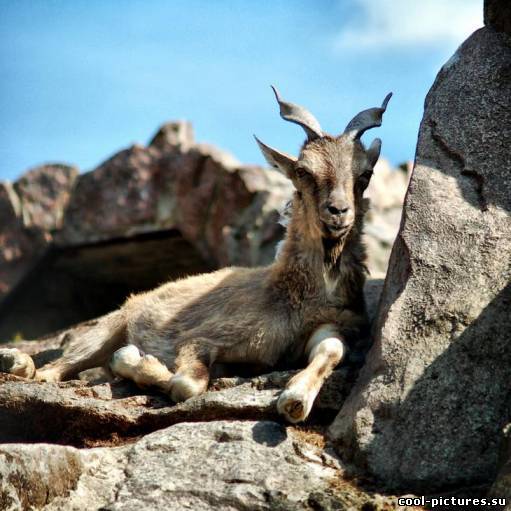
{"x": 325, "y": 349}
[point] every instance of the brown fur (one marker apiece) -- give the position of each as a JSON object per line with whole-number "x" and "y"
{"x": 259, "y": 316}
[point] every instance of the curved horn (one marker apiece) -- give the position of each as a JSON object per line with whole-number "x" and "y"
{"x": 299, "y": 115}
{"x": 370, "y": 118}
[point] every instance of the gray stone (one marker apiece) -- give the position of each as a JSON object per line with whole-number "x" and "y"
{"x": 501, "y": 488}
{"x": 83, "y": 414}
{"x": 225, "y": 210}
{"x": 44, "y": 194}
{"x": 231, "y": 466}
{"x": 386, "y": 191}
{"x": 497, "y": 14}
{"x": 53, "y": 477}
{"x": 177, "y": 133}
{"x": 31, "y": 210}
{"x": 427, "y": 410}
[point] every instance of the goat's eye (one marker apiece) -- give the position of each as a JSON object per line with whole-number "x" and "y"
{"x": 301, "y": 172}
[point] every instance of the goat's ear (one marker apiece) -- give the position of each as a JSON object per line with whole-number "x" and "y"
{"x": 277, "y": 159}
{"x": 373, "y": 153}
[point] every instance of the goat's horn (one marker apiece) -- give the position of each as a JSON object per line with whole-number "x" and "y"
{"x": 367, "y": 119}
{"x": 299, "y": 115}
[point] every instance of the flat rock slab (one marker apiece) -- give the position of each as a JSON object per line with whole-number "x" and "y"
{"x": 223, "y": 465}
{"x": 80, "y": 414}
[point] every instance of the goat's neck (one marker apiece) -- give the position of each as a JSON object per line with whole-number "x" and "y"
{"x": 306, "y": 257}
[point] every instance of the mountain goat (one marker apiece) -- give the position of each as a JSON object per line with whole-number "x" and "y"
{"x": 303, "y": 306}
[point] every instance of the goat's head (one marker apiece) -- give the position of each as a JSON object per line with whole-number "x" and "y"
{"x": 331, "y": 173}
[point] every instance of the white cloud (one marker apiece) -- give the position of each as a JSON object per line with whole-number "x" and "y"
{"x": 410, "y": 23}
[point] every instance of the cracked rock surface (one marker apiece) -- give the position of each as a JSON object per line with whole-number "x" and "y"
{"x": 82, "y": 414}
{"x": 428, "y": 408}
{"x": 227, "y": 465}
{"x": 225, "y": 450}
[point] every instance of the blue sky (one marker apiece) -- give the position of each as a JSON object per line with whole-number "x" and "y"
{"x": 84, "y": 79}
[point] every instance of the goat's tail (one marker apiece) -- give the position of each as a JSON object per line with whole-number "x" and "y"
{"x": 88, "y": 345}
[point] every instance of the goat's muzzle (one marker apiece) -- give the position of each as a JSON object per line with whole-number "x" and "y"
{"x": 337, "y": 219}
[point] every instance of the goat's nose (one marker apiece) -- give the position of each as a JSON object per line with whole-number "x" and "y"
{"x": 337, "y": 210}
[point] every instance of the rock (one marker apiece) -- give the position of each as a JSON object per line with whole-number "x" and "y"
{"x": 83, "y": 414}
{"x": 224, "y": 465}
{"x": 177, "y": 133}
{"x": 30, "y": 210}
{"x": 220, "y": 207}
{"x": 497, "y": 14}
{"x": 386, "y": 192}
{"x": 15, "y": 242}
{"x": 44, "y": 193}
{"x": 501, "y": 488}
{"x": 429, "y": 405}
{"x": 34, "y": 477}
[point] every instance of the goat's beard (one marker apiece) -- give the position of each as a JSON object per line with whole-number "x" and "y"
{"x": 336, "y": 232}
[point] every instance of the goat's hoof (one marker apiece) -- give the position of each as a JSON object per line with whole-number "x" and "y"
{"x": 13, "y": 361}
{"x": 183, "y": 387}
{"x": 125, "y": 360}
{"x": 294, "y": 405}
{"x": 48, "y": 375}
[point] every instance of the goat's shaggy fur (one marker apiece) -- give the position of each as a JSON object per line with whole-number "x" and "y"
{"x": 304, "y": 305}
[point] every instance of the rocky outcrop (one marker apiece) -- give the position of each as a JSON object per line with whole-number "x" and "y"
{"x": 228, "y": 211}
{"x": 249, "y": 465}
{"x": 82, "y": 414}
{"x": 429, "y": 405}
{"x": 31, "y": 210}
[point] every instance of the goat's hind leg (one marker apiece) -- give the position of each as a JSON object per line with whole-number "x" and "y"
{"x": 325, "y": 349}
{"x": 144, "y": 370}
{"x": 87, "y": 345}
{"x": 191, "y": 377}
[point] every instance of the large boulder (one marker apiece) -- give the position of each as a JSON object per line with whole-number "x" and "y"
{"x": 428, "y": 408}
